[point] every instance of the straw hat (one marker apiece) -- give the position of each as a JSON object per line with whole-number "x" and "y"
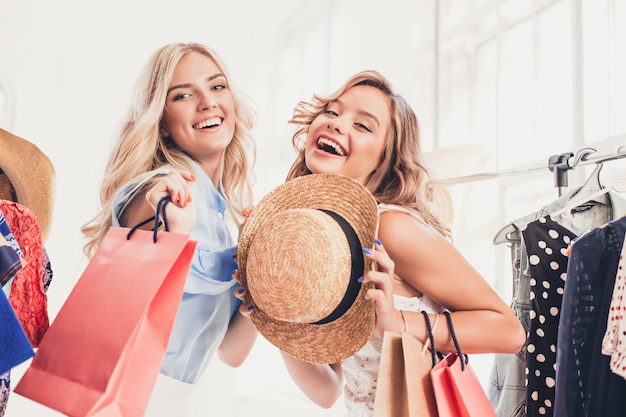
{"x": 300, "y": 256}
{"x": 27, "y": 177}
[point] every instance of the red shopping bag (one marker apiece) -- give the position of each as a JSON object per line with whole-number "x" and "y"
{"x": 102, "y": 353}
{"x": 458, "y": 391}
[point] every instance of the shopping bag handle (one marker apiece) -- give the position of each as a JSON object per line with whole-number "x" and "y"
{"x": 430, "y": 337}
{"x": 464, "y": 358}
{"x": 159, "y": 214}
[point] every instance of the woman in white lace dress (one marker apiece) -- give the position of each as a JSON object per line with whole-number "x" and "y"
{"x": 366, "y": 131}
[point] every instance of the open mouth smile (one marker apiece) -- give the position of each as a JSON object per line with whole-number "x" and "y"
{"x": 330, "y": 146}
{"x": 212, "y": 122}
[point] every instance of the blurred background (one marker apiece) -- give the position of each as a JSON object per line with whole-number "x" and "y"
{"x": 499, "y": 87}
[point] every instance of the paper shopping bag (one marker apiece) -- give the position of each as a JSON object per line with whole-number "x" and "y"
{"x": 458, "y": 391}
{"x": 102, "y": 353}
{"x": 404, "y": 387}
{"x": 15, "y": 345}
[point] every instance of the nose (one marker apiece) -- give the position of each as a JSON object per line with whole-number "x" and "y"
{"x": 207, "y": 101}
{"x": 337, "y": 124}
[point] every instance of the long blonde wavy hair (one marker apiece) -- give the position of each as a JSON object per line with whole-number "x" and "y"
{"x": 140, "y": 149}
{"x": 401, "y": 177}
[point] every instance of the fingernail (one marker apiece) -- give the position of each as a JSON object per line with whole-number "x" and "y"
{"x": 361, "y": 279}
{"x": 378, "y": 242}
{"x": 245, "y": 212}
{"x": 241, "y": 290}
{"x": 250, "y": 308}
{"x": 368, "y": 251}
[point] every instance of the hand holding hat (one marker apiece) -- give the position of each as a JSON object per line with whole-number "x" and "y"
{"x": 300, "y": 259}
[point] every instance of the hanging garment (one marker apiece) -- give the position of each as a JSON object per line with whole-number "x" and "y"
{"x": 507, "y": 383}
{"x": 27, "y": 294}
{"x": 10, "y": 264}
{"x": 614, "y": 341}
{"x": 585, "y": 385}
{"x": 546, "y": 242}
{"x": 26, "y": 291}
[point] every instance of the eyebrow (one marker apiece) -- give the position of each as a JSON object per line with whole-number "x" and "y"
{"x": 187, "y": 85}
{"x": 361, "y": 112}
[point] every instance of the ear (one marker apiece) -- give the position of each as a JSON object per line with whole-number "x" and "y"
{"x": 163, "y": 132}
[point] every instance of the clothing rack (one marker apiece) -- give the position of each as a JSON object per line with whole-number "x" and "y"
{"x": 558, "y": 164}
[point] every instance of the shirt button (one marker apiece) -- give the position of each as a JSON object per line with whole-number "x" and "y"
{"x": 220, "y": 215}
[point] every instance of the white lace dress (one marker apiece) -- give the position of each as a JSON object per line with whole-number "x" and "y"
{"x": 361, "y": 369}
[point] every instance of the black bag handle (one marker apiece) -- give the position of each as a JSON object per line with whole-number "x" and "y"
{"x": 430, "y": 337}
{"x": 159, "y": 214}
{"x": 464, "y": 358}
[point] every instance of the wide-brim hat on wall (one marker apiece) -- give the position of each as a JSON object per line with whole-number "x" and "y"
{"x": 27, "y": 177}
{"x": 300, "y": 258}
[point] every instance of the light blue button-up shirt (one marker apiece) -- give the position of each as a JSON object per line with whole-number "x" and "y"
{"x": 208, "y": 301}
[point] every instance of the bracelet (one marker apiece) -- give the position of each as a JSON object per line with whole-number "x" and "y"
{"x": 435, "y": 323}
{"x": 406, "y": 325}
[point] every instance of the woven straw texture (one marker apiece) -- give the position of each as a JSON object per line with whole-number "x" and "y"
{"x": 27, "y": 177}
{"x": 295, "y": 264}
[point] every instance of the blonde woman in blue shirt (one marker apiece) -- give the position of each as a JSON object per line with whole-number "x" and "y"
{"x": 187, "y": 135}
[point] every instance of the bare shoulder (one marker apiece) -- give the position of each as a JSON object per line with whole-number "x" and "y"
{"x": 399, "y": 225}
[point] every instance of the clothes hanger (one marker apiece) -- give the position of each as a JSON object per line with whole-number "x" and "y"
{"x": 561, "y": 164}
{"x": 506, "y": 235}
{"x": 592, "y": 184}
{"x": 598, "y": 195}
{"x": 588, "y": 191}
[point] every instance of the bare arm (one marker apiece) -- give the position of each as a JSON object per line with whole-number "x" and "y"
{"x": 427, "y": 263}
{"x": 238, "y": 341}
{"x": 322, "y": 384}
{"x": 181, "y": 214}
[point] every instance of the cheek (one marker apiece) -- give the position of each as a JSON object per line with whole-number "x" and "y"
{"x": 228, "y": 103}
{"x": 171, "y": 119}
{"x": 315, "y": 127}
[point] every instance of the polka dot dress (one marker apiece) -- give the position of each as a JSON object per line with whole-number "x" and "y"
{"x": 546, "y": 242}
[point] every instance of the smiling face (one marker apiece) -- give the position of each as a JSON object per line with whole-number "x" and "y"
{"x": 199, "y": 109}
{"x": 349, "y": 136}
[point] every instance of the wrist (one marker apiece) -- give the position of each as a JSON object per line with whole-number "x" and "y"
{"x": 403, "y": 324}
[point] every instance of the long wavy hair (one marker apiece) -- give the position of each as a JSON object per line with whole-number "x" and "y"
{"x": 401, "y": 177}
{"x": 140, "y": 149}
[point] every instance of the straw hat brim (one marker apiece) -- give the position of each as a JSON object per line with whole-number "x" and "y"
{"x": 339, "y": 339}
{"x": 31, "y": 177}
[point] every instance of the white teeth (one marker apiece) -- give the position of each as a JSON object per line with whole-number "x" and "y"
{"x": 208, "y": 123}
{"x": 323, "y": 142}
